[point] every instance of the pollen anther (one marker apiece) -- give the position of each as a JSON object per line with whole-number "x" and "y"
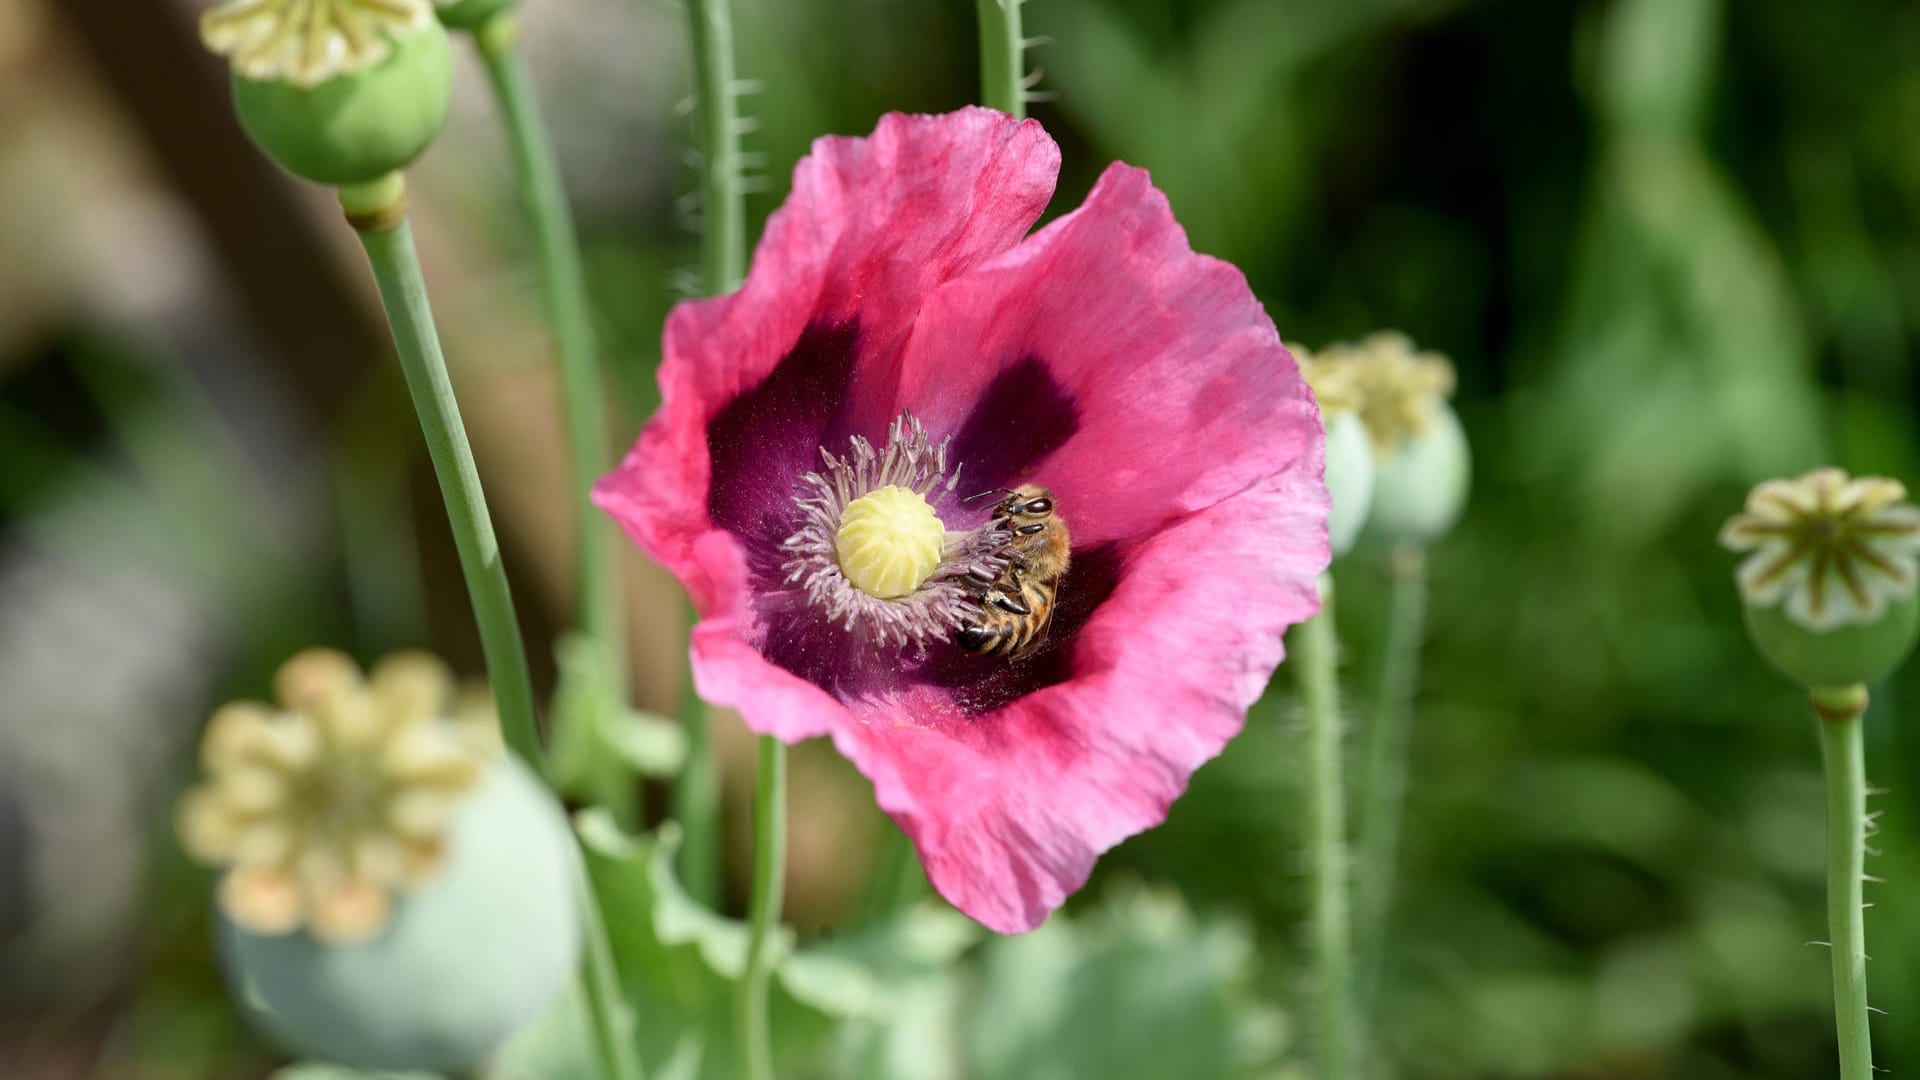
{"x": 869, "y": 549}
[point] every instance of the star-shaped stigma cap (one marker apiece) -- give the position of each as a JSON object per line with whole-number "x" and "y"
{"x": 1831, "y": 573}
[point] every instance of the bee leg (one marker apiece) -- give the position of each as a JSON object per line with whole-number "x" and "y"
{"x": 1008, "y": 603}
{"x": 974, "y": 638}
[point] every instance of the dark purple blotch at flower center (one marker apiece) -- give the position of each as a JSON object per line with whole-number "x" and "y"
{"x": 767, "y": 440}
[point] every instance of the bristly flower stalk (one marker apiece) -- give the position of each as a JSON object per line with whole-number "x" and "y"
{"x": 1002, "y": 83}
{"x": 1419, "y": 475}
{"x": 1831, "y": 589}
{"x": 1316, "y": 651}
{"x": 723, "y": 265}
{"x": 723, "y": 234}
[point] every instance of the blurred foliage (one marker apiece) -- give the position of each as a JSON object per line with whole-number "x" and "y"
{"x": 1673, "y": 246}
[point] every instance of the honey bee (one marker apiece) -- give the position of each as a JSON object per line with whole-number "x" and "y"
{"x": 1017, "y": 606}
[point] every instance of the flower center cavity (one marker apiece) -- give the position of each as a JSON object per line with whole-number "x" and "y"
{"x": 869, "y": 548}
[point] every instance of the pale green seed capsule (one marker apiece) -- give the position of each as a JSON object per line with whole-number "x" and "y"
{"x": 1420, "y": 484}
{"x": 1832, "y": 575}
{"x": 357, "y": 126}
{"x": 1349, "y": 479}
{"x": 464, "y": 961}
{"x": 1847, "y": 656}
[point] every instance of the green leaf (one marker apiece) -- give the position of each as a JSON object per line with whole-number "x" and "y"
{"x": 1140, "y": 990}
{"x": 653, "y": 745}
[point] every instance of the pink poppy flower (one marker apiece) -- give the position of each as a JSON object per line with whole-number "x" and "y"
{"x": 900, "y": 327}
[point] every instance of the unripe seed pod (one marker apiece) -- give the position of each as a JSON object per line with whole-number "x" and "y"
{"x": 464, "y": 961}
{"x": 1831, "y": 582}
{"x": 1349, "y": 479}
{"x": 1420, "y": 484}
{"x": 1846, "y": 656}
{"x": 358, "y": 126}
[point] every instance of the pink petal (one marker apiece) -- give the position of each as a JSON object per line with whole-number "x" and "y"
{"x": 1159, "y": 367}
{"x": 1009, "y": 810}
{"x": 872, "y": 227}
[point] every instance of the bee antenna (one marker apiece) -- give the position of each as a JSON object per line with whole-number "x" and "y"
{"x": 990, "y": 491}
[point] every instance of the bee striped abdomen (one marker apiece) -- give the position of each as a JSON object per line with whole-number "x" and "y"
{"x": 1001, "y": 632}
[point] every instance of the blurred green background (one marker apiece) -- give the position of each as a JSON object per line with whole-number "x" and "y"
{"x": 1673, "y": 246}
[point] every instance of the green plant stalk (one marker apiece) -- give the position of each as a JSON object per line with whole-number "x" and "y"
{"x": 763, "y": 910}
{"x": 597, "y": 594}
{"x": 723, "y": 236}
{"x": 378, "y": 213}
{"x": 1842, "y": 749}
{"x": 696, "y": 800}
{"x": 723, "y": 261}
{"x": 1000, "y": 56}
{"x": 1327, "y": 845}
{"x": 396, "y": 269}
{"x": 608, "y": 1013}
{"x": 1383, "y": 782}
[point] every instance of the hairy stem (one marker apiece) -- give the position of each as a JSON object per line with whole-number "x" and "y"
{"x": 723, "y": 236}
{"x": 597, "y": 589}
{"x": 1841, "y": 745}
{"x": 1383, "y": 781}
{"x": 723, "y": 261}
{"x": 404, "y": 293}
{"x": 763, "y": 911}
{"x": 1327, "y": 848}
{"x": 1000, "y": 57}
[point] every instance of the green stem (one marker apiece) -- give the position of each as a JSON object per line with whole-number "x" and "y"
{"x": 1841, "y": 744}
{"x": 1000, "y": 57}
{"x": 723, "y": 261}
{"x": 696, "y": 803}
{"x": 723, "y": 237}
{"x": 608, "y": 1014}
{"x": 397, "y": 271}
{"x": 1327, "y": 848}
{"x": 377, "y": 210}
{"x": 1383, "y": 782}
{"x": 597, "y": 588}
{"x": 763, "y": 912}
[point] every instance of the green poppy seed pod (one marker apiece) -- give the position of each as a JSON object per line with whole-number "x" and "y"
{"x": 470, "y": 15}
{"x": 1420, "y": 483}
{"x": 464, "y": 960}
{"x": 1829, "y": 583}
{"x": 359, "y": 125}
{"x": 1349, "y": 479}
{"x": 1846, "y": 656}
